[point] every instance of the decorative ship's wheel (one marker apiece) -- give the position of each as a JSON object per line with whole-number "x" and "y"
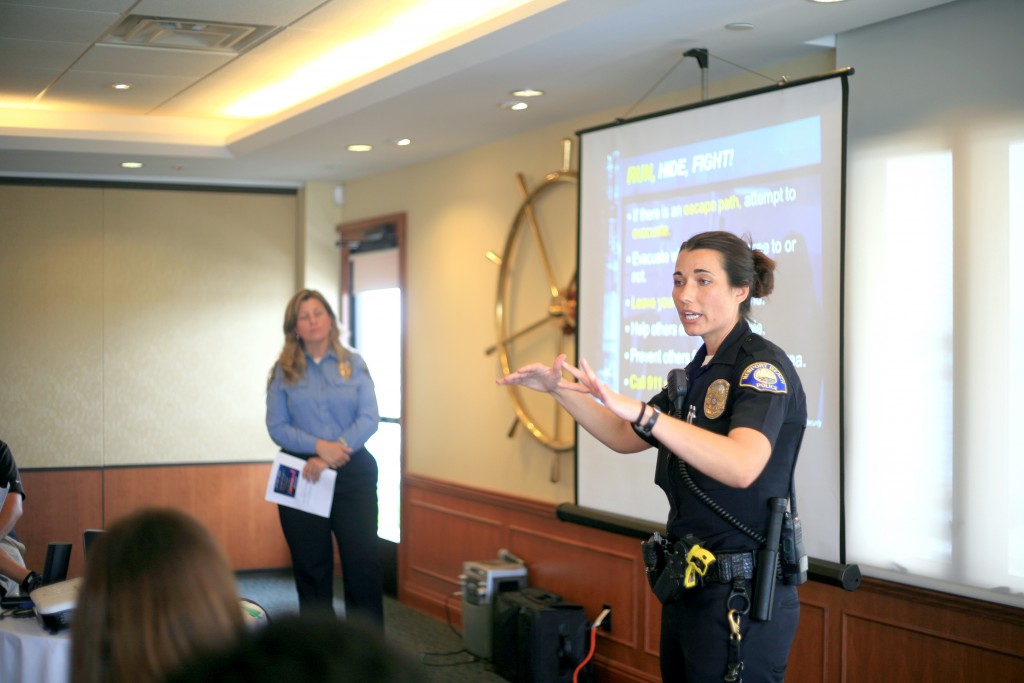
{"x": 535, "y": 312}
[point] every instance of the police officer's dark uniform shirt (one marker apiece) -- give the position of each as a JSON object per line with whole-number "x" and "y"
{"x": 750, "y": 382}
{"x": 9, "y": 476}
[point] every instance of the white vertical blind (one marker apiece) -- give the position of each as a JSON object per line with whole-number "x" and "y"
{"x": 1015, "y": 399}
{"x": 899, "y": 344}
{"x": 935, "y": 305}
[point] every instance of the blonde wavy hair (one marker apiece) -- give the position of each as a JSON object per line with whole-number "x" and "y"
{"x": 292, "y": 359}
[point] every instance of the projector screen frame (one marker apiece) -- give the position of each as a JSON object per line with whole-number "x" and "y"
{"x": 615, "y": 523}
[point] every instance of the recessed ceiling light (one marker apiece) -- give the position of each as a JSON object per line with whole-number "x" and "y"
{"x": 359, "y": 148}
{"x": 740, "y": 26}
{"x": 131, "y": 164}
{"x": 402, "y": 142}
{"x": 121, "y": 86}
{"x": 514, "y": 106}
{"x": 527, "y": 92}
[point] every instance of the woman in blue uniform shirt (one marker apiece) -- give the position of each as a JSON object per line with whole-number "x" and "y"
{"x": 321, "y": 406}
{"x": 738, "y": 432}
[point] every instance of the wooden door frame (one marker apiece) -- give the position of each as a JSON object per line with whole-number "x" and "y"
{"x": 352, "y": 231}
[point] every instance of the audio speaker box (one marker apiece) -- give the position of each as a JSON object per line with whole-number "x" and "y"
{"x": 538, "y": 638}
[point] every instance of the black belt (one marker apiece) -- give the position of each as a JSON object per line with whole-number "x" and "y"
{"x": 728, "y": 566}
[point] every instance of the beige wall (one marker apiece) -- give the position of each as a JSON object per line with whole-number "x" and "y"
{"x": 51, "y": 336}
{"x": 318, "y": 265}
{"x": 458, "y": 208}
{"x": 139, "y": 324}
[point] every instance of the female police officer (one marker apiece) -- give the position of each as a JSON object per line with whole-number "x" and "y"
{"x": 322, "y": 407}
{"x": 737, "y": 435}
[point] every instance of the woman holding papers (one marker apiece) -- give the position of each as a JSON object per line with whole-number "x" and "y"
{"x": 321, "y": 407}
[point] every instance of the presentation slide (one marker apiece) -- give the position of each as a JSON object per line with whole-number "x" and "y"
{"x": 767, "y": 167}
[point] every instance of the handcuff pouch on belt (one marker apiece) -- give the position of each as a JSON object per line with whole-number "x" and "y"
{"x": 672, "y": 568}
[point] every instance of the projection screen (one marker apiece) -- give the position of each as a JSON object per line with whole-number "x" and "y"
{"x": 768, "y": 166}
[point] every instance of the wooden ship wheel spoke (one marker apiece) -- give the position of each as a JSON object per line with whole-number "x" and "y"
{"x": 535, "y": 310}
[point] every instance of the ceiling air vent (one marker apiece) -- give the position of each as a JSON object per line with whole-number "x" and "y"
{"x": 187, "y": 34}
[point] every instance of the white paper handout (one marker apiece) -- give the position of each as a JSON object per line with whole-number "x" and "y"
{"x": 287, "y": 487}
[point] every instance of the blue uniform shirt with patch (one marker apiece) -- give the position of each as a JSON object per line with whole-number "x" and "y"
{"x": 322, "y": 405}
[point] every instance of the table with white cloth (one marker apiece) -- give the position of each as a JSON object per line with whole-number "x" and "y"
{"x": 31, "y": 654}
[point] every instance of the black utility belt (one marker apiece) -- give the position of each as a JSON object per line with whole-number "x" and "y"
{"x": 729, "y": 566}
{"x": 673, "y": 568}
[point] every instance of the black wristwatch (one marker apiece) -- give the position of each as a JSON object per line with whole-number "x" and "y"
{"x": 31, "y": 582}
{"x": 646, "y": 428}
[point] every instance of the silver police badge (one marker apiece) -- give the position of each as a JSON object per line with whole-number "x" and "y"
{"x": 714, "y": 400}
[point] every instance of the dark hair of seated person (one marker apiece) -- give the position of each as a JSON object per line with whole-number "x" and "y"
{"x": 157, "y": 590}
{"x": 310, "y": 648}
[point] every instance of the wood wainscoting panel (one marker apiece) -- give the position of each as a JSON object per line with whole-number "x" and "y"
{"x": 584, "y": 574}
{"x": 446, "y": 524}
{"x": 227, "y": 498}
{"x": 59, "y": 505}
{"x": 882, "y": 631}
{"x": 652, "y": 624}
{"x": 914, "y": 634}
{"x": 808, "y": 655}
{"x": 437, "y": 539}
{"x": 910, "y": 653}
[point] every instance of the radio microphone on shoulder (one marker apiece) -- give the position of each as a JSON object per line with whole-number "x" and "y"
{"x": 677, "y": 390}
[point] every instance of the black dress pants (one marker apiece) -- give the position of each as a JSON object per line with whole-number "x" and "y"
{"x": 695, "y": 637}
{"x": 353, "y": 522}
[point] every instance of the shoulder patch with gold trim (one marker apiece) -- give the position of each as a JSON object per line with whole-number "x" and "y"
{"x": 764, "y": 377}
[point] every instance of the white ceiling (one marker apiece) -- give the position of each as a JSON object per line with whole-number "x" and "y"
{"x": 59, "y": 117}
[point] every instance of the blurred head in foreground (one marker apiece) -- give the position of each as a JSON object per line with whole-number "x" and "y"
{"x": 157, "y": 591}
{"x": 310, "y": 648}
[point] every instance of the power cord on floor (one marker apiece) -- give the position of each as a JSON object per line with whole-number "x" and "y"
{"x": 593, "y": 642}
{"x": 448, "y": 617}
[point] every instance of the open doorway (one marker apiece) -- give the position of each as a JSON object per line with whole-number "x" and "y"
{"x": 371, "y": 299}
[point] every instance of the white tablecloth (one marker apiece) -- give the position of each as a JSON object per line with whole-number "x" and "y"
{"x": 28, "y": 654}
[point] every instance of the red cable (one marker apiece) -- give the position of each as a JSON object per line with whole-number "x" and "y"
{"x": 593, "y": 646}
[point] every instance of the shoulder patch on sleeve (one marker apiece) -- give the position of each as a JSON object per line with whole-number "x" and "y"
{"x": 764, "y": 377}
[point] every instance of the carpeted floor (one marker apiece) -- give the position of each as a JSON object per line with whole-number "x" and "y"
{"x": 435, "y": 643}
